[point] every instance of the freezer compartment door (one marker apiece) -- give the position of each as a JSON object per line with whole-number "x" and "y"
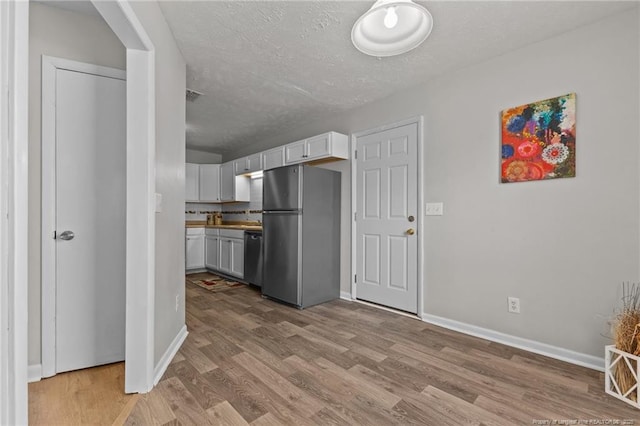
{"x": 281, "y": 239}
{"x": 282, "y": 188}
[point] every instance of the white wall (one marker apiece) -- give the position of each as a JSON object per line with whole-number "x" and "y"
{"x": 562, "y": 246}
{"x": 202, "y": 157}
{"x": 170, "y": 75}
{"x": 69, "y": 35}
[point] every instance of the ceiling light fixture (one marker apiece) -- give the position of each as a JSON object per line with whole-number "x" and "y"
{"x": 391, "y": 27}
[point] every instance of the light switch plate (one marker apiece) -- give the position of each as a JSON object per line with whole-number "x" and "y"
{"x": 434, "y": 209}
{"x": 158, "y": 203}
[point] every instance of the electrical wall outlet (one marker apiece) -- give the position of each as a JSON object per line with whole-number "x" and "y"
{"x": 177, "y": 301}
{"x": 514, "y": 305}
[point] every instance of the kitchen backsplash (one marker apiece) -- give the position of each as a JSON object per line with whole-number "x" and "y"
{"x": 230, "y": 211}
{"x": 199, "y": 211}
{"x": 246, "y": 211}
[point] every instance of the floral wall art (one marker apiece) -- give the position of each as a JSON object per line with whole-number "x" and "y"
{"x": 539, "y": 140}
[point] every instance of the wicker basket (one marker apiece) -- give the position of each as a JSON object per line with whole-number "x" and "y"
{"x": 618, "y": 362}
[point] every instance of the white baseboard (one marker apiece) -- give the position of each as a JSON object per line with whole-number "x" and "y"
{"x": 345, "y": 295}
{"x": 556, "y": 352}
{"x": 171, "y": 351}
{"x": 34, "y": 373}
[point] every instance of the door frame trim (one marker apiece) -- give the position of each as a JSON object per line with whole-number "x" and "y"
{"x": 419, "y": 120}
{"x": 14, "y": 166}
{"x": 50, "y": 65}
{"x": 141, "y": 187}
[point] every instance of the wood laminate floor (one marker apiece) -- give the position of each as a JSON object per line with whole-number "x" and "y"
{"x": 93, "y": 396}
{"x": 248, "y": 360}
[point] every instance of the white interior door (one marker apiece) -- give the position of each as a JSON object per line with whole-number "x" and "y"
{"x": 387, "y": 218}
{"x": 90, "y": 196}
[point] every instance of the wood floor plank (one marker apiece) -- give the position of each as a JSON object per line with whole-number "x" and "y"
{"x": 423, "y": 414}
{"x": 315, "y": 338}
{"x": 327, "y": 416}
{"x": 206, "y": 395}
{"x": 530, "y": 374}
{"x": 344, "y": 340}
{"x": 309, "y": 350}
{"x": 196, "y": 358}
{"x": 224, "y": 414}
{"x": 185, "y": 407}
{"x": 487, "y": 380}
{"x": 152, "y": 409}
{"x": 236, "y": 394}
{"x": 462, "y": 411}
{"x": 94, "y": 395}
{"x": 520, "y": 414}
{"x": 284, "y": 410}
{"x": 267, "y": 419}
{"x": 337, "y": 389}
{"x": 377, "y": 414}
{"x": 269, "y": 358}
{"x": 243, "y": 321}
{"x": 381, "y": 396}
{"x": 308, "y": 406}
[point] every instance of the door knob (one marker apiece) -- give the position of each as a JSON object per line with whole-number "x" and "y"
{"x": 67, "y": 235}
{"x": 410, "y": 231}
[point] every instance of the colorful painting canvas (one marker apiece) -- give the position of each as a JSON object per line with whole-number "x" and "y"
{"x": 539, "y": 140}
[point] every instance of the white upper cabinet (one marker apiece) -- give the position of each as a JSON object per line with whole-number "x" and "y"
{"x": 250, "y": 164}
{"x": 210, "y": 182}
{"x": 273, "y": 158}
{"x": 227, "y": 182}
{"x": 219, "y": 183}
{"x": 232, "y": 187}
{"x": 295, "y": 152}
{"x": 192, "y": 182}
{"x": 326, "y": 147}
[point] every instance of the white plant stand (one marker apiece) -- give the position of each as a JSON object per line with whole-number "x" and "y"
{"x": 613, "y": 358}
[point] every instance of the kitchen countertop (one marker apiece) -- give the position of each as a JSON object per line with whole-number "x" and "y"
{"x": 243, "y": 226}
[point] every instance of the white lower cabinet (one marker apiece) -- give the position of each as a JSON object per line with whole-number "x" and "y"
{"x": 194, "y": 248}
{"x": 225, "y": 251}
{"x": 237, "y": 258}
{"x": 212, "y": 251}
{"x": 225, "y": 256}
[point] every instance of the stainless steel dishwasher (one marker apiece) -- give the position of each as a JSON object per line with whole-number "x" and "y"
{"x": 253, "y": 257}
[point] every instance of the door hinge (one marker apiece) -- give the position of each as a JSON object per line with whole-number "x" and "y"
{"x": 54, "y": 235}
{"x": 356, "y": 154}
{"x": 355, "y": 278}
{"x": 355, "y": 216}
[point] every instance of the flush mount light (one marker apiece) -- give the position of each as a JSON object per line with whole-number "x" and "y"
{"x": 391, "y": 27}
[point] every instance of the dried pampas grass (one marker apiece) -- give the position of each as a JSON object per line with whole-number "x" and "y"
{"x": 626, "y": 334}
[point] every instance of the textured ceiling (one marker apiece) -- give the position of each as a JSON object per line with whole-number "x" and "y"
{"x": 266, "y": 66}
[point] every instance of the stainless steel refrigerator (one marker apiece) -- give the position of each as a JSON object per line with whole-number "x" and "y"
{"x": 301, "y": 235}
